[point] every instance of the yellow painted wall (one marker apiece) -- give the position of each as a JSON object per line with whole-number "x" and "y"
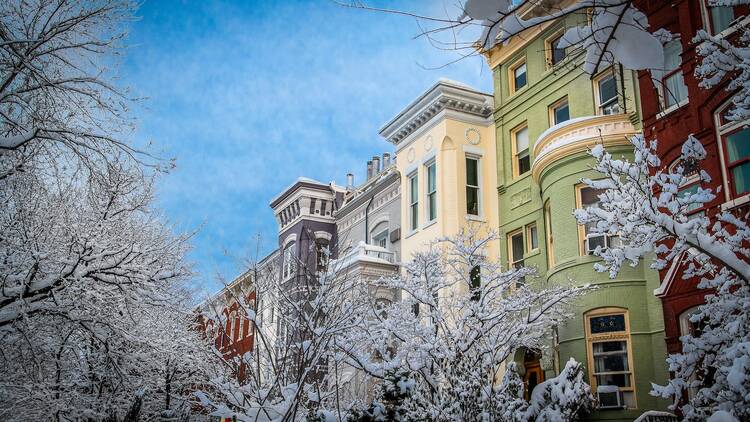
{"x": 447, "y": 140}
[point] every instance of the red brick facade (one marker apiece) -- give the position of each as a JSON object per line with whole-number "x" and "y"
{"x": 671, "y": 121}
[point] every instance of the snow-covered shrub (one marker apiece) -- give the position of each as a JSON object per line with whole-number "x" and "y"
{"x": 567, "y": 397}
{"x": 642, "y": 204}
{"x": 465, "y": 330}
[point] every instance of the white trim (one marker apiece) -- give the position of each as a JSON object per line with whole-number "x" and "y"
{"x": 428, "y": 158}
{"x": 480, "y": 190}
{"x": 291, "y": 238}
{"x": 673, "y": 107}
{"x": 323, "y": 235}
{"x": 744, "y": 199}
{"x": 427, "y": 166}
{"x": 472, "y": 150}
{"x": 411, "y": 169}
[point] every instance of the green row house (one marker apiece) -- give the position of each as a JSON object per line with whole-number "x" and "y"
{"x": 548, "y": 113}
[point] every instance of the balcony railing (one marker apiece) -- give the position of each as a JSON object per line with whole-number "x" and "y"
{"x": 364, "y": 253}
{"x": 657, "y": 416}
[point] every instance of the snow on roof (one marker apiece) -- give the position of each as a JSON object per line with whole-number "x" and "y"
{"x": 298, "y": 180}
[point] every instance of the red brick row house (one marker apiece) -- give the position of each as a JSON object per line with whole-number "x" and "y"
{"x": 674, "y": 106}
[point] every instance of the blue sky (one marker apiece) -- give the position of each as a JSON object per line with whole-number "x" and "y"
{"x": 247, "y": 96}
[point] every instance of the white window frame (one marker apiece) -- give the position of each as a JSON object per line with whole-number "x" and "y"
{"x": 428, "y": 193}
{"x": 613, "y": 102}
{"x": 516, "y": 167}
{"x": 289, "y": 267}
{"x": 478, "y": 187}
{"x": 723, "y": 130}
{"x": 664, "y": 93}
{"x": 708, "y": 21}
{"x": 413, "y": 182}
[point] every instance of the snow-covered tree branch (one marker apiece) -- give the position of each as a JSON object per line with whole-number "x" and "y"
{"x": 642, "y": 204}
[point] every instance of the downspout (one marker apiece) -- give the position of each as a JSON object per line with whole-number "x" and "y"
{"x": 367, "y": 220}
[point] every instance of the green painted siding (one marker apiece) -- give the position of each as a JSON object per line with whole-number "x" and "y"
{"x": 521, "y": 202}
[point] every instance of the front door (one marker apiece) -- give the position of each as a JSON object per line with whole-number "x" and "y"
{"x": 533, "y": 375}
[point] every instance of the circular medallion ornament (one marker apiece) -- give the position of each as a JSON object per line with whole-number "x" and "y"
{"x": 428, "y": 143}
{"x": 472, "y": 136}
{"x": 411, "y": 154}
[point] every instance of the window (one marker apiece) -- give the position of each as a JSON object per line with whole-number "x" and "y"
{"x": 289, "y": 267}
{"x": 606, "y": 94}
{"x": 381, "y": 239}
{"x": 587, "y": 198}
{"x": 719, "y": 18}
{"x": 413, "y": 202}
{"x": 516, "y": 250}
{"x": 475, "y": 278}
{"x": 520, "y": 149}
{"x": 672, "y": 84}
{"x": 548, "y": 231}
{"x": 472, "y": 186}
{"x": 431, "y": 192}
{"x": 555, "y": 54}
{"x": 532, "y": 237}
{"x": 322, "y": 254}
{"x": 735, "y": 138}
{"x": 690, "y": 185}
{"x": 517, "y": 76}
{"x": 609, "y": 352}
{"x": 559, "y": 112}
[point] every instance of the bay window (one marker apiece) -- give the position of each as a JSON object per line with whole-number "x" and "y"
{"x": 589, "y": 240}
{"x": 610, "y": 356}
{"x": 606, "y": 94}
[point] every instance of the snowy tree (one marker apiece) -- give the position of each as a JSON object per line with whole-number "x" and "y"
{"x": 58, "y": 93}
{"x": 294, "y": 371}
{"x": 443, "y": 363}
{"x": 91, "y": 275}
{"x": 641, "y": 204}
{"x": 461, "y": 320}
{"x": 86, "y": 263}
{"x": 566, "y": 397}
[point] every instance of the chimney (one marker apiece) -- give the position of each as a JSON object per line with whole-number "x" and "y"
{"x": 349, "y": 181}
{"x": 386, "y": 160}
{"x": 369, "y": 170}
{"x": 375, "y": 165}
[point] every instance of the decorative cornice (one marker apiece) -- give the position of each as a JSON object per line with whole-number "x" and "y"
{"x": 444, "y": 95}
{"x": 579, "y": 135}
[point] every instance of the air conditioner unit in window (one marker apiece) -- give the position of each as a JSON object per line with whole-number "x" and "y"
{"x": 594, "y": 240}
{"x": 609, "y": 397}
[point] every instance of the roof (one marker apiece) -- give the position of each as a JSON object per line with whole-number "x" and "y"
{"x": 300, "y": 182}
{"x": 445, "y": 94}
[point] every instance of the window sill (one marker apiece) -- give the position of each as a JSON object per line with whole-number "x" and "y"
{"x": 429, "y": 224}
{"x": 736, "y": 24}
{"x": 411, "y": 233}
{"x": 472, "y": 217}
{"x": 533, "y": 252}
{"x": 734, "y": 203}
{"x": 672, "y": 108}
{"x": 518, "y": 178}
{"x": 516, "y": 91}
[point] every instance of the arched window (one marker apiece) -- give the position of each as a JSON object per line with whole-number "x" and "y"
{"x": 379, "y": 235}
{"x": 610, "y": 356}
{"x": 322, "y": 254}
{"x": 290, "y": 260}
